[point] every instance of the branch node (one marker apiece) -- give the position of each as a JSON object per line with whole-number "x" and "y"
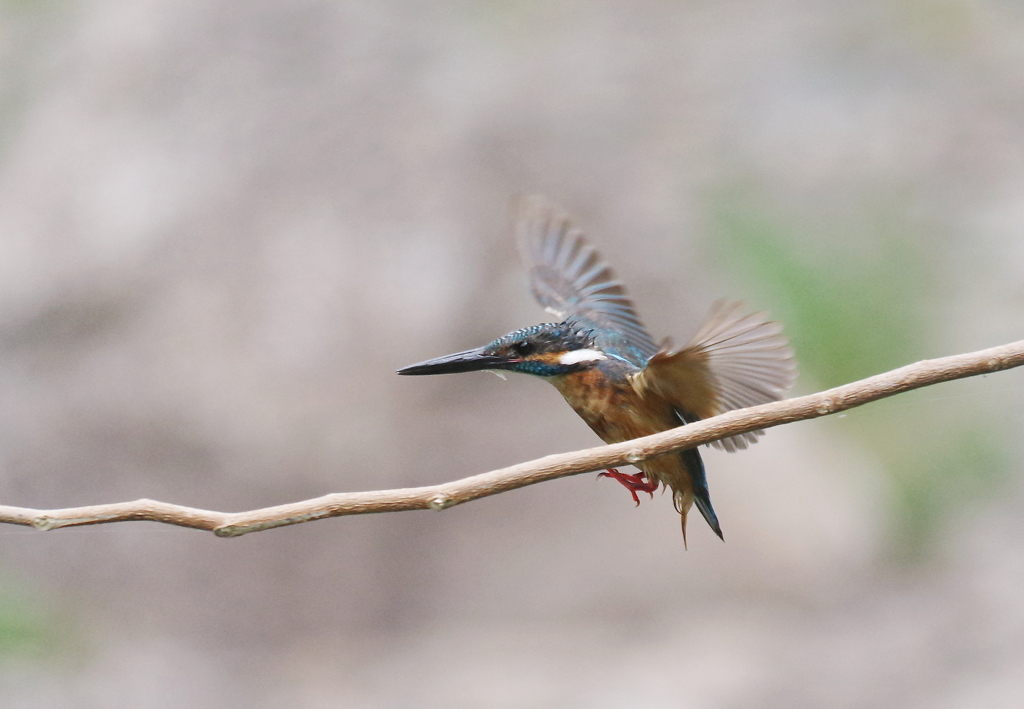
{"x": 825, "y": 406}
{"x": 634, "y": 456}
{"x": 227, "y": 531}
{"x": 45, "y": 523}
{"x": 440, "y": 502}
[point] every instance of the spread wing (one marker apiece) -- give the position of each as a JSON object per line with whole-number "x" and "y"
{"x": 570, "y": 280}
{"x": 734, "y": 361}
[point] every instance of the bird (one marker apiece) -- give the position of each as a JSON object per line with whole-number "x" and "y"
{"x": 606, "y": 365}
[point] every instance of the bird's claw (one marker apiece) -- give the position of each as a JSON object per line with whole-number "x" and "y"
{"x": 633, "y": 483}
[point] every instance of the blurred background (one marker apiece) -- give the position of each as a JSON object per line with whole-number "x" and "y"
{"x": 223, "y": 226}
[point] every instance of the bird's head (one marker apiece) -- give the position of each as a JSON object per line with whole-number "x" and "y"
{"x": 547, "y": 350}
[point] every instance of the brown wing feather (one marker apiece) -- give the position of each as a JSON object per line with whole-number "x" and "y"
{"x": 734, "y": 361}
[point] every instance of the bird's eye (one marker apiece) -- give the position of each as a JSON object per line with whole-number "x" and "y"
{"x": 523, "y": 348}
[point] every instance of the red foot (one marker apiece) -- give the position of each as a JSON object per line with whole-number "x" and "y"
{"x": 633, "y": 483}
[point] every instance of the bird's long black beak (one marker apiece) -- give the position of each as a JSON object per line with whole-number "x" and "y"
{"x": 468, "y": 361}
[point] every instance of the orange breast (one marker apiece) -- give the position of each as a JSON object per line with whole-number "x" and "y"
{"x": 616, "y": 412}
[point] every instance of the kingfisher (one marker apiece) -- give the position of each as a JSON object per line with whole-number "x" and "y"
{"x": 601, "y": 358}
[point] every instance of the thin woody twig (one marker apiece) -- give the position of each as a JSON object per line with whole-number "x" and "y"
{"x": 439, "y": 497}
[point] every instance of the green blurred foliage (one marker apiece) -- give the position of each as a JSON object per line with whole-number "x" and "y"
{"x": 27, "y": 627}
{"x": 853, "y": 303}
{"x": 855, "y": 294}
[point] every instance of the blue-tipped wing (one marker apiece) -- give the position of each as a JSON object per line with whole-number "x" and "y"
{"x": 570, "y": 280}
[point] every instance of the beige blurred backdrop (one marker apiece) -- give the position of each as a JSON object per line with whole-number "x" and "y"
{"x": 223, "y": 226}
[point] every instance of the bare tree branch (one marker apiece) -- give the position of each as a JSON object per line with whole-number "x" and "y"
{"x": 439, "y": 497}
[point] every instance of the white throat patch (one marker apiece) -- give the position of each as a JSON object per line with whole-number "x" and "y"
{"x": 577, "y": 356}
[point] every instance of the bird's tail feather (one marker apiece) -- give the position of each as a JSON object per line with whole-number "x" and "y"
{"x": 699, "y": 494}
{"x": 702, "y": 499}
